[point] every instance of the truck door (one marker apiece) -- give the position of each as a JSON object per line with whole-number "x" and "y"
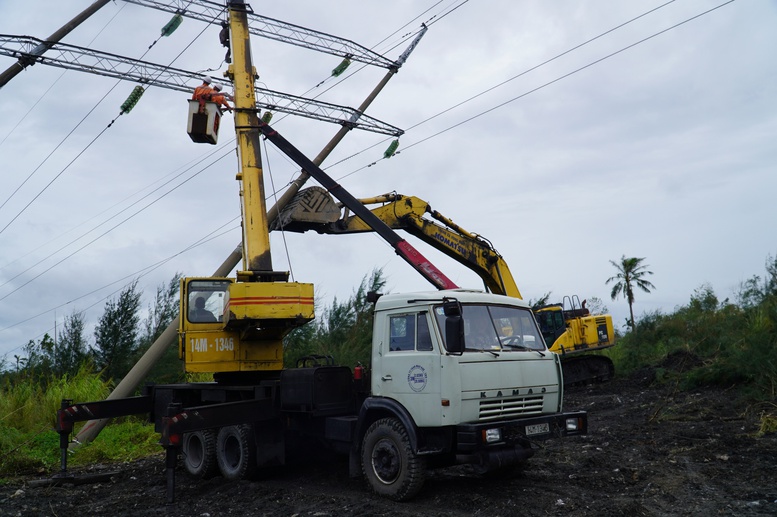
{"x": 409, "y": 370}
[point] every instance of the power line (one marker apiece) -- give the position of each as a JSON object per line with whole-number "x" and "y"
{"x": 66, "y": 136}
{"x": 533, "y": 90}
{"x": 115, "y": 226}
{"x": 52, "y": 86}
{"x": 119, "y": 213}
{"x": 137, "y": 274}
{"x": 93, "y": 140}
{"x": 175, "y": 174}
{"x": 589, "y": 65}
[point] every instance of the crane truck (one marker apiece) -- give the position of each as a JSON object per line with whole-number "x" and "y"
{"x": 455, "y": 376}
{"x": 568, "y": 328}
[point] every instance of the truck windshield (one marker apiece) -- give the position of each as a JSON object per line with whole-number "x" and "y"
{"x": 496, "y": 328}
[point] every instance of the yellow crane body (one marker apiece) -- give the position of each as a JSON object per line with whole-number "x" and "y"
{"x": 232, "y": 325}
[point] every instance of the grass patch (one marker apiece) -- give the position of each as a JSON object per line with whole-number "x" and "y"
{"x": 29, "y": 441}
{"x": 36, "y": 453}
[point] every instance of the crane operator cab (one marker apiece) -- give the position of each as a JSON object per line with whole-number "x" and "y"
{"x": 232, "y": 326}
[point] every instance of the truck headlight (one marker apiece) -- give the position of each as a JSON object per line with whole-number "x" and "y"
{"x": 573, "y": 424}
{"x": 492, "y": 435}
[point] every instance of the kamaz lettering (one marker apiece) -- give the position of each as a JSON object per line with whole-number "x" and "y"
{"x": 499, "y": 394}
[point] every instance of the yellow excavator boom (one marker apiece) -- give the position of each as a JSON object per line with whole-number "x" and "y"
{"x": 567, "y": 332}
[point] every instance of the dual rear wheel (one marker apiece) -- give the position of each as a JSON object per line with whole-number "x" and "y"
{"x": 229, "y": 450}
{"x": 389, "y": 463}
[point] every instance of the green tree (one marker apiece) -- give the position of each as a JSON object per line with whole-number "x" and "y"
{"x": 539, "y": 302}
{"x": 160, "y": 315}
{"x": 596, "y": 306}
{"x": 116, "y": 334}
{"x": 754, "y": 291}
{"x": 631, "y": 274}
{"x": 343, "y": 330}
{"x": 39, "y": 361}
{"x": 71, "y": 349}
{"x": 162, "y": 312}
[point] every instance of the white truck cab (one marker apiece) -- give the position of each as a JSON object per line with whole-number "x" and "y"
{"x": 466, "y": 376}
{"x": 504, "y": 370}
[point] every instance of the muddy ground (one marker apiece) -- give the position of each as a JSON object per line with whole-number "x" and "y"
{"x": 651, "y": 450}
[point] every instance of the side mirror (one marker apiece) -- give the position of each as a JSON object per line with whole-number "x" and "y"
{"x": 454, "y": 335}
{"x": 451, "y": 307}
{"x": 454, "y": 327}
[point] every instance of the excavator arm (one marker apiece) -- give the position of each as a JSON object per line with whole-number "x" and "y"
{"x": 407, "y": 213}
{"x": 569, "y": 333}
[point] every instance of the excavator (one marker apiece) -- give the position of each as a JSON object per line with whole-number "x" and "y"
{"x": 568, "y": 327}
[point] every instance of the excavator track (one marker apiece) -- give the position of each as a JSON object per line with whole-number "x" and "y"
{"x": 586, "y": 369}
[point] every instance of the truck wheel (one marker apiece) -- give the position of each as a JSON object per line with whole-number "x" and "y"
{"x": 236, "y": 452}
{"x": 389, "y": 464}
{"x": 199, "y": 453}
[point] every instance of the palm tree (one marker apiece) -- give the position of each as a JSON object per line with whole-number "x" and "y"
{"x": 631, "y": 273}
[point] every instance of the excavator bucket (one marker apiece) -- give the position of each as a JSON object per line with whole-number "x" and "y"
{"x": 309, "y": 209}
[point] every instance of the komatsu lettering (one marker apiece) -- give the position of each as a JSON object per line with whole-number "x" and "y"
{"x": 453, "y": 245}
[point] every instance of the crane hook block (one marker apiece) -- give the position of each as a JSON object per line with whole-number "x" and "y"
{"x": 172, "y": 25}
{"x": 392, "y": 149}
{"x": 133, "y": 99}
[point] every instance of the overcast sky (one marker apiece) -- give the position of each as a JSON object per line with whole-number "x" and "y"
{"x": 665, "y": 150}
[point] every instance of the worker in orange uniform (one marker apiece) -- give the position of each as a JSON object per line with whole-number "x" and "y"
{"x": 220, "y": 98}
{"x": 203, "y": 92}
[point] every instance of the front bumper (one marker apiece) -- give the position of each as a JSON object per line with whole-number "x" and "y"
{"x": 474, "y": 438}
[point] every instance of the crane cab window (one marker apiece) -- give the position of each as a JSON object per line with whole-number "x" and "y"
{"x": 409, "y": 332}
{"x": 205, "y": 300}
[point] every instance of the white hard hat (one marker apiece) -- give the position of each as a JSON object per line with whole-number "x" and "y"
{"x": 217, "y": 87}
{"x": 206, "y": 79}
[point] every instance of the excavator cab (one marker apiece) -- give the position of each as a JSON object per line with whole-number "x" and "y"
{"x": 551, "y": 321}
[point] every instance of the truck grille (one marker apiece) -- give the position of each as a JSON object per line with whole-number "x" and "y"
{"x": 509, "y": 407}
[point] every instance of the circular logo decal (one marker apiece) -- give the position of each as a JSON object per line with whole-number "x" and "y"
{"x": 416, "y": 378}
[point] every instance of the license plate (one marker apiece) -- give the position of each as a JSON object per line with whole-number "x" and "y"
{"x": 537, "y": 429}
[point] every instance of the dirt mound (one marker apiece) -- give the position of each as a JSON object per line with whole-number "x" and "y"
{"x": 650, "y": 451}
{"x": 681, "y": 361}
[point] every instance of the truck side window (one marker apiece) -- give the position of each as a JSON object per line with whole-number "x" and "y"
{"x": 402, "y": 332}
{"x": 424, "y": 342}
{"x": 410, "y": 332}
